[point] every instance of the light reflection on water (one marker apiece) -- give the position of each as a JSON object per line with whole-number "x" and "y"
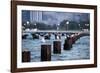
{"x": 80, "y": 50}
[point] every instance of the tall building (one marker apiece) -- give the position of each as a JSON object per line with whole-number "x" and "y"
{"x": 35, "y": 16}
{"x": 25, "y": 16}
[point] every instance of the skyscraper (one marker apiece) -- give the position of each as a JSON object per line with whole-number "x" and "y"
{"x": 25, "y": 16}
{"x": 35, "y": 16}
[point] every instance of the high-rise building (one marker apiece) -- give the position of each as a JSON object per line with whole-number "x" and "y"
{"x": 35, "y": 16}
{"x": 25, "y": 16}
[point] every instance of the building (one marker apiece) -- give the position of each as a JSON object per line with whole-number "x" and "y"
{"x": 35, "y": 16}
{"x": 25, "y": 16}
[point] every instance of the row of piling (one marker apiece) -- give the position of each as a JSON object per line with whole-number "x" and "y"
{"x": 45, "y": 52}
{"x": 46, "y": 36}
{"x": 46, "y": 48}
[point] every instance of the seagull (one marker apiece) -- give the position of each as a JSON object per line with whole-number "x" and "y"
{"x": 58, "y": 37}
{"x": 27, "y": 29}
{"x": 34, "y": 29}
{"x": 43, "y": 40}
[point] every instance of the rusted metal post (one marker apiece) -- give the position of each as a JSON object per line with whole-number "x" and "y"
{"x": 45, "y": 52}
{"x": 57, "y": 47}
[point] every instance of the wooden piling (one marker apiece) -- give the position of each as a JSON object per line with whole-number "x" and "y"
{"x": 57, "y": 47}
{"x": 47, "y": 37}
{"x": 63, "y": 34}
{"x": 35, "y": 36}
{"x": 45, "y": 52}
{"x": 24, "y": 36}
{"x": 73, "y": 39}
{"x": 26, "y": 56}
{"x": 68, "y": 44}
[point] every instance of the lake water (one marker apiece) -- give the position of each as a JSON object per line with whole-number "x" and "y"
{"x": 79, "y": 50}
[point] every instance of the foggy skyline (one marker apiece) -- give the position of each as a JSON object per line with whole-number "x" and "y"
{"x": 52, "y": 17}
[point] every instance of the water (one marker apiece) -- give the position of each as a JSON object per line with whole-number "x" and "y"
{"x": 79, "y": 50}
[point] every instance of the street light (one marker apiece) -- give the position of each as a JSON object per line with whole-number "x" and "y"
{"x": 28, "y": 22}
{"x": 24, "y": 24}
{"x": 35, "y": 24}
{"x": 79, "y": 26}
{"x": 35, "y": 27}
{"x": 67, "y": 24}
{"x": 87, "y": 25}
{"x": 58, "y": 26}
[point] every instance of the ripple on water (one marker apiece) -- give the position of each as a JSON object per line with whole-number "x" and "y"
{"x": 80, "y": 50}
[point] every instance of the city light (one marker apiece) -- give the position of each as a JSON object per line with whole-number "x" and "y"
{"x": 28, "y": 22}
{"x": 67, "y": 24}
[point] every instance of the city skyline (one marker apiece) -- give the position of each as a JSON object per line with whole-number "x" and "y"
{"x": 52, "y": 17}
